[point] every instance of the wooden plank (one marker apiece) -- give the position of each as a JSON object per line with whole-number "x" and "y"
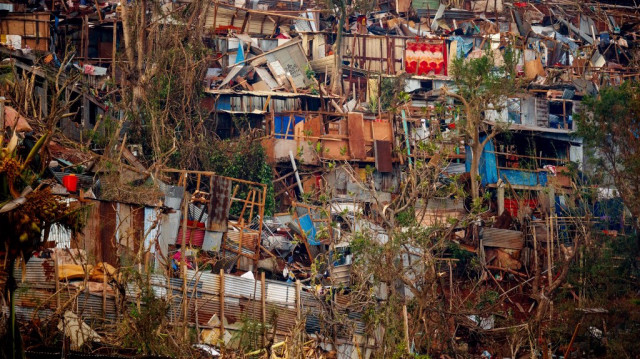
{"x": 107, "y": 232}
{"x": 382, "y": 151}
{"x": 336, "y": 150}
{"x": 382, "y": 130}
{"x": 132, "y": 159}
{"x": 313, "y": 125}
{"x": 355, "y": 123}
{"x": 502, "y": 238}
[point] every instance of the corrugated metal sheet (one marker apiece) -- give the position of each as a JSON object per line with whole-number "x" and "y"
{"x": 90, "y": 305}
{"x": 293, "y": 61}
{"x": 242, "y": 299}
{"x": 281, "y": 293}
{"x": 258, "y": 24}
{"x": 502, "y": 238}
{"x": 37, "y": 270}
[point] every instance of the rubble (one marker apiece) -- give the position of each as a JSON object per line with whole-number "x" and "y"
{"x": 339, "y": 152}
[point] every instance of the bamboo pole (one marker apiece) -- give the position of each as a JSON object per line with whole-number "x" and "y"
{"x": 405, "y": 317}
{"x": 195, "y": 302}
{"x": 536, "y": 268}
{"x": 450, "y": 286}
{"x": 183, "y": 260}
{"x": 57, "y": 274}
{"x": 298, "y": 304}
{"x": 550, "y": 250}
{"x": 263, "y": 300}
{"x": 104, "y": 293}
{"x": 221, "y": 303}
{"x": 114, "y": 48}
{"x": 573, "y": 337}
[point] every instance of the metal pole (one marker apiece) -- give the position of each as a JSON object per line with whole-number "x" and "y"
{"x": 295, "y": 171}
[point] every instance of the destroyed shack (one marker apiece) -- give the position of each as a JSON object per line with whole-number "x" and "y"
{"x": 341, "y": 119}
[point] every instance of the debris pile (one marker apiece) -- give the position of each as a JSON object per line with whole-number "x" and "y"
{"x": 353, "y": 109}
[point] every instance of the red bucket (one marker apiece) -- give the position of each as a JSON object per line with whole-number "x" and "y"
{"x": 70, "y": 182}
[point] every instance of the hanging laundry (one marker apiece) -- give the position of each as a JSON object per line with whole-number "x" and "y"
{"x": 465, "y": 45}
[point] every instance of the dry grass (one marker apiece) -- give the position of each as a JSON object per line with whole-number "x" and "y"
{"x": 114, "y": 188}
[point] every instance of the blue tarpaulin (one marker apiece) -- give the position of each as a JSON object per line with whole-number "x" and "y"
{"x": 487, "y": 169}
{"x": 524, "y": 178}
{"x": 309, "y": 229}
{"x": 223, "y": 103}
{"x": 280, "y": 126}
{"x": 240, "y": 54}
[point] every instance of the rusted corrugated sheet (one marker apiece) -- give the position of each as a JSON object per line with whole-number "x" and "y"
{"x": 219, "y": 203}
{"x": 37, "y": 270}
{"x": 106, "y": 221}
{"x": 502, "y": 238}
{"x": 243, "y": 299}
{"x": 382, "y": 151}
{"x": 355, "y": 124}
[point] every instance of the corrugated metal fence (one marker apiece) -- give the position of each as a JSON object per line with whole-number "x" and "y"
{"x": 38, "y": 297}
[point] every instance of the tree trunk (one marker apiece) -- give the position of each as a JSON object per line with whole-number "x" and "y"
{"x": 476, "y": 153}
{"x": 336, "y": 77}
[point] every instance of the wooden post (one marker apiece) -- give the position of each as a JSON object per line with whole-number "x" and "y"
{"x": 222, "y": 304}
{"x": 500, "y": 199}
{"x": 549, "y": 252}
{"x": 2, "y": 99}
{"x": 263, "y": 299}
{"x": 535, "y": 260}
{"x": 183, "y": 260}
{"x": 195, "y": 302}
{"x": 57, "y": 274}
{"x": 117, "y": 299}
{"x": 104, "y": 293}
{"x": 298, "y": 304}
{"x": 405, "y": 316}
{"x": 450, "y": 286}
{"x": 114, "y": 48}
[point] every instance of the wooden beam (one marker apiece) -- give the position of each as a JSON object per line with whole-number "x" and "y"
{"x": 247, "y": 17}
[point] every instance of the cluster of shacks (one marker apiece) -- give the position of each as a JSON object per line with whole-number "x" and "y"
{"x": 274, "y": 63}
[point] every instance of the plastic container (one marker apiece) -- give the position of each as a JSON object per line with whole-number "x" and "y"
{"x": 70, "y": 182}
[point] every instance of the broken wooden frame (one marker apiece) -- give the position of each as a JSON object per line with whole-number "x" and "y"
{"x": 319, "y": 216}
{"x": 244, "y": 239}
{"x": 351, "y": 138}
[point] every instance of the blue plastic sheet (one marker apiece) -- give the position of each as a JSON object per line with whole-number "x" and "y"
{"x": 487, "y": 168}
{"x": 280, "y": 126}
{"x": 524, "y": 178}
{"x": 465, "y": 45}
{"x": 309, "y": 229}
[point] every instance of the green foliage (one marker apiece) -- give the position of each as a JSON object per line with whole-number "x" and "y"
{"x": 610, "y": 268}
{"x": 606, "y": 277}
{"x": 480, "y": 79}
{"x": 244, "y": 159}
{"x": 486, "y": 299}
{"x": 308, "y": 71}
{"x": 249, "y": 335}
{"x": 406, "y": 218}
{"x": 104, "y": 132}
{"x": 392, "y": 93}
{"x": 610, "y": 129}
{"x": 142, "y": 325}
